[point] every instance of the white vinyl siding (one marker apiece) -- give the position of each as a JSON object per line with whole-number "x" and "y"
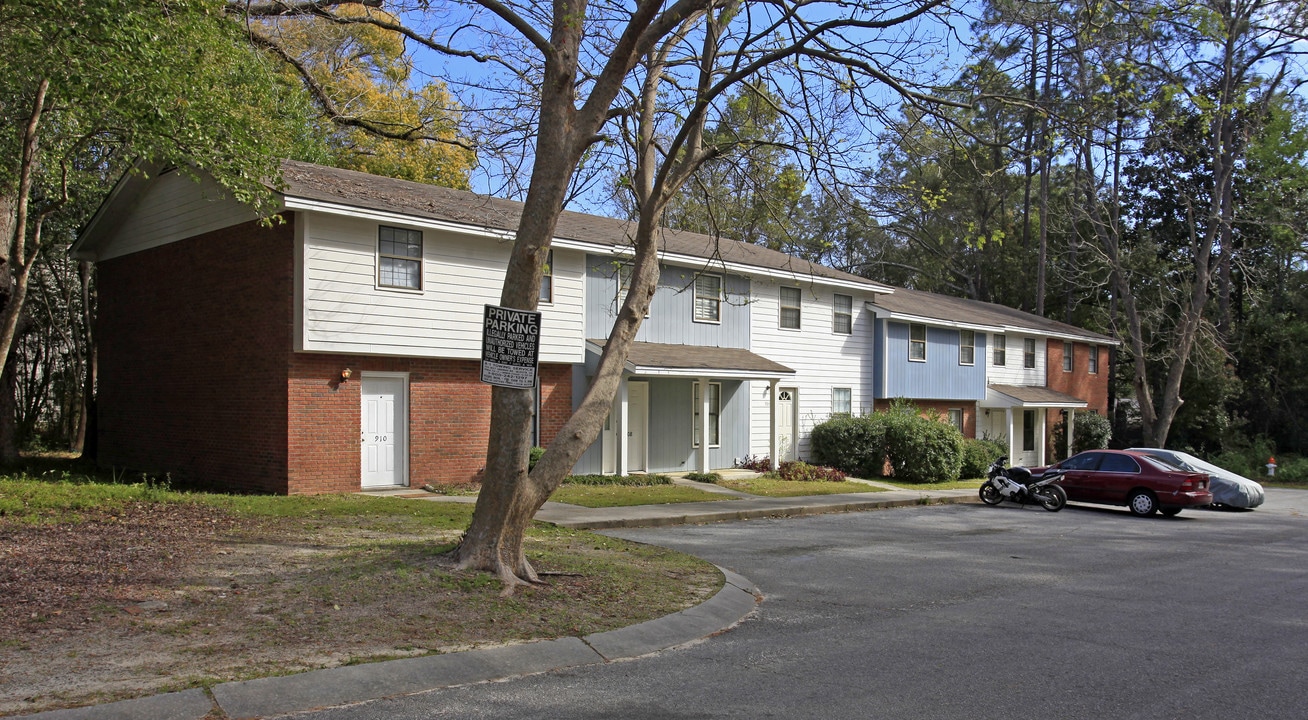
{"x": 174, "y": 207}
{"x": 822, "y": 360}
{"x": 1012, "y": 373}
{"x": 340, "y": 308}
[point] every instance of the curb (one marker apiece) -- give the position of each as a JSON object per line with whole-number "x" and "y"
{"x": 699, "y": 517}
{"x": 353, "y": 684}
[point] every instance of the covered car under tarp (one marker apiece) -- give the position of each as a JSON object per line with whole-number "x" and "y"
{"x": 1228, "y": 488}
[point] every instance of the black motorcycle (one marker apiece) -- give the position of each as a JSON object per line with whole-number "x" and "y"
{"x": 1016, "y": 484}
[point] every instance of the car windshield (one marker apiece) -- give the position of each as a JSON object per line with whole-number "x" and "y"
{"x": 1164, "y": 464}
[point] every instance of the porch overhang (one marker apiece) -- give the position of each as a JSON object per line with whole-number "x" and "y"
{"x": 1025, "y": 396}
{"x": 695, "y": 361}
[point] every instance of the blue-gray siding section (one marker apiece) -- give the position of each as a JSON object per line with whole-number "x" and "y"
{"x": 670, "y": 446}
{"x": 671, "y": 312}
{"x": 941, "y": 377}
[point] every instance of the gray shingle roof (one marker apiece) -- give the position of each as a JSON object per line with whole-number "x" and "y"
{"x": 959, "y": 310}
{"x": 348, "y": 187}
{"x": 1036, "y": 395}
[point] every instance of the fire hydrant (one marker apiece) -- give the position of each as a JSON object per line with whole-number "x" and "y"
{"x": 1271, "y": 466}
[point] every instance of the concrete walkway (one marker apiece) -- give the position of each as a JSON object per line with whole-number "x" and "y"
{"x": 273, "y": 696}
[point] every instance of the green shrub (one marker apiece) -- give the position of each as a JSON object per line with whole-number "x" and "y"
{"x": 1091, "y": 432}
{"x": 710, "y": 477}
{"x": 625, "y": 480}
{"x": 798, "y": 471}
{"x": 1249, "y": 458}
{"x": 922, "y": 449}
{"x": 534, "y": 457}
{"x": 854, "y": 445}
{"x": 977, "y": 456}
{"x": 1289, "y": 470}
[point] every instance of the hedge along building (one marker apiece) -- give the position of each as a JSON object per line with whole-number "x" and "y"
{"x": 338, "y": 348}
{"x": 995, "y": 372}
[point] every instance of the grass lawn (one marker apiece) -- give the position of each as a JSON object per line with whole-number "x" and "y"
{"x": 954, "y": 485}
{"x": 117, "y": 590}
{"x": 790, "y": 488}
{"x": 598, "y": 496}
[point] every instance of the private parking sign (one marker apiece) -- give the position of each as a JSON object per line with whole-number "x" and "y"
{"x": 510, "y": 347}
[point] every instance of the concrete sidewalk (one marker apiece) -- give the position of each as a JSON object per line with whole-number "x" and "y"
{"x": 274, "y": 696}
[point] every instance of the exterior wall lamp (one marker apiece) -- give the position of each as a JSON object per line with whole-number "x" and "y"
{"x": 345, "y": 374}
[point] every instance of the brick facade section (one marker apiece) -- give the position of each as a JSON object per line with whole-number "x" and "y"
{"x": 449, "y": 418}
{"x": 1079, "y": 383}
{"x": 193, "y": 340}
{"x": 198, "y": 378}
{"x": 943, "y": 407}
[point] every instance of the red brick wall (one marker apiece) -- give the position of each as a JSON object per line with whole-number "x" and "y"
{"x": 193, "y": 338}
{"x": 943, "y": 407}
{"x": 449, "y": 418}
{"x": 1080, "y": 383}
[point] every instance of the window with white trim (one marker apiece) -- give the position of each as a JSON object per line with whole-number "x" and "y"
{"x": 625, "y": 271}
{"x": 956, "y": 418}
{"x": 790, "y": 308}
{"x": 708, "y": 298}
{"x": 1094, "y": 360}
{"x": 714, "y": 412}
{"x": 399, "y": 258}
{"x": 842, "y": 401}
{"x": 1068, "y": 349}
{"x": 842, "y": 320}
{"x": 966, "y": 347}
{"x": 917, "y": 337}
{"x": 1028, "y": 353}
{"x": 547, "y": 279}
{"x": 1000, "y": 355}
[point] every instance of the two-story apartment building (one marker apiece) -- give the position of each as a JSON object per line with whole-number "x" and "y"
{"x": 338, "y": 347}
{"x": 996, "y": 372}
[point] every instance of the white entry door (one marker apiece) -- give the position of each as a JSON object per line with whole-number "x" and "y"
{"x": 637, "y": 425}
{"x": 786, "y": 402}
{"x": 384, "y": 436}
{"x": 1029, "y": 438}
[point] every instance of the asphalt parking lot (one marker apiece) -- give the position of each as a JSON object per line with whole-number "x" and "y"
{"x": 964, "y": 611}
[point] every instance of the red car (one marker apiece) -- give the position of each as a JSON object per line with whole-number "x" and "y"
{"x": 1142, "y": 483}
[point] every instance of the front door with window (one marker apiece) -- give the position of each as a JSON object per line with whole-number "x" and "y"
{"x": 384, "y": 437}
{"x": 786, "y": 403}
{"x": 1030, "y": 457}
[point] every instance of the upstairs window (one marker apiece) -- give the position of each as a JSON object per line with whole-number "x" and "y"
{"x": 966, "y": 347}
{"x": 1094, "y": 360}
{"x": 1067, "y": 356}
{"x": 842, "y": 322}
{"x": 790, "y": 299}
{"x": 708, "y": 298}
{"x": 399, "y": 258}
{"x": 547, "y": 279}
{"x": 917, "y": 343}
{"x": 1001, "y": 350}
{"x": 1028, "y": 353}
{"x": 841, "y": 401}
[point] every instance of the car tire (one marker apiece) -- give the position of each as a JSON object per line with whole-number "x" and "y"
{"x": 1170, "y": 511}
{"x": 990, "y": 494}
{"x": 1142, "y": 503}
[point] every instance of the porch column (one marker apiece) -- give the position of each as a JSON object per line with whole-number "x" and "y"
{"x": 703, "y": 424}
{"x": 772, "y": 423}
{"x": 1012, "y": 436}
{"x": 1071, "y": 428}
{"x": 620, "y": 427}
{"x": 1041, "y": 437}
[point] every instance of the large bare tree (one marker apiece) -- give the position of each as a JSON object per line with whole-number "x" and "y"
{"x": 630, "y": 87}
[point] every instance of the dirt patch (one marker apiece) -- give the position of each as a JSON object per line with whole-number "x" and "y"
{"x": 154, "y": 597}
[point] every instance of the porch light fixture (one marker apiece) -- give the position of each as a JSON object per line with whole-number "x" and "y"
{"x": 345, "y": 374}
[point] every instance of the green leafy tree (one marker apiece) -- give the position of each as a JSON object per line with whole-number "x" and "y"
{"x": 88, "y": 85}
